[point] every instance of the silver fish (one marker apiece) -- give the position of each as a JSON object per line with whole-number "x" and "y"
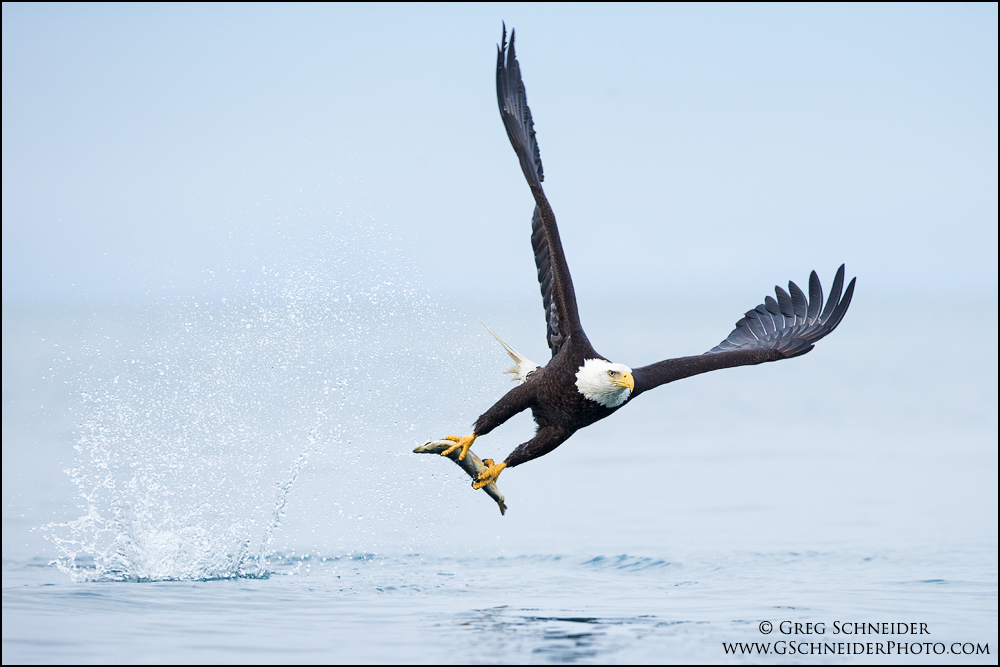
{"x": 471, "y": 464}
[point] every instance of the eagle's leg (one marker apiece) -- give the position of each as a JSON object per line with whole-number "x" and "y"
{"x": 464, "y": 442}
{"x": 489, "y": 476}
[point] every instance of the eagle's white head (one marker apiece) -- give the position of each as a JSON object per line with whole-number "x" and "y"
{"x": 607, "y": 383}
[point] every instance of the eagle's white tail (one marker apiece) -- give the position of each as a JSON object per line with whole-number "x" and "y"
{"x": 522, "y": 365}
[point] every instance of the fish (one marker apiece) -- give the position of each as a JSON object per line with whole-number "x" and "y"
{"x": 471, "y": 464}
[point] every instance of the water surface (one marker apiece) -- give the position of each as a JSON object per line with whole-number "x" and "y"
{"x": 857, "y": 483}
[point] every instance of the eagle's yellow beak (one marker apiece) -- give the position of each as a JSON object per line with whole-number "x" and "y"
{"x": 625, "y": 381}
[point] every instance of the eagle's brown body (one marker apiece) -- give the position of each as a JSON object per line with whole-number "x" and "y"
{"x": 550, "y": 393}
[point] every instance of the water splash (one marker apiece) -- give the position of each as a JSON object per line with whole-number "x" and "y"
{"x": 280, "y": 501}
{"x": 196, "y": 420}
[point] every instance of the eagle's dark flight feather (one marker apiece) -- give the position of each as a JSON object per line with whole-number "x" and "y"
{"x": 558, "y": 298}
{"x": 776, "y": 329}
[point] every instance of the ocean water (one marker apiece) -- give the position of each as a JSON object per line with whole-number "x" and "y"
{"x": 231, "y": 480}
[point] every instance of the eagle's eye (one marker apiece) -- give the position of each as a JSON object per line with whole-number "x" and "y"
{"x": 612, "y": 373}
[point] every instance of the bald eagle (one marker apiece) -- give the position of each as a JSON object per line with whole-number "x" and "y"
{"x": 578, "y": 386}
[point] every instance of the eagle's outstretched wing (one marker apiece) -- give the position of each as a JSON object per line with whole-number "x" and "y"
{"x": 776, "y": 329}
{"x": 558, "y": 298}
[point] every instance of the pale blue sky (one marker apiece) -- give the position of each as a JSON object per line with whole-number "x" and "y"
{"x": 686, "y": 148}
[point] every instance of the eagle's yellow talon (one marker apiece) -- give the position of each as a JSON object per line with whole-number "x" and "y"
{"x": 489, "y": 476}
{"x": 464, "y": 442}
